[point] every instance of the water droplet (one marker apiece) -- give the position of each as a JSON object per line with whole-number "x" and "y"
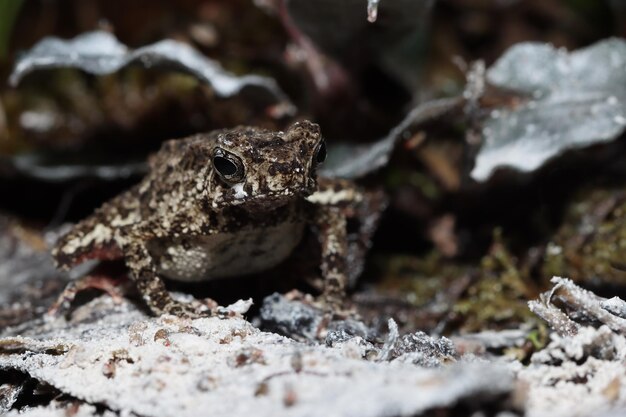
{"x": 372, "y": 10}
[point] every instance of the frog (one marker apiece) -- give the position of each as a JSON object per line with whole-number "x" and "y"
{"x": 228, "y": 203}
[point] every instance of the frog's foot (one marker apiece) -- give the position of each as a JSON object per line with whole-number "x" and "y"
{"x": 334, "y": 307}
{"x": 106, "y": 283}
{"x": 338, "y": 308}
{"x": 190, "y": 309}
{"x": 336, "y": 312}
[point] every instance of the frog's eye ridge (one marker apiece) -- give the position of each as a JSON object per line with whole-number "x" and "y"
{"x": 320, "y": 155}
{"x": 228, "y": 166}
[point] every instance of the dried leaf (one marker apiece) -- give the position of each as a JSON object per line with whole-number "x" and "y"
{"x": 347, "y": 160}
{"x": 59, "y": 168}
{"x": 576, "y": 100}
{"x": 101, "y": 53}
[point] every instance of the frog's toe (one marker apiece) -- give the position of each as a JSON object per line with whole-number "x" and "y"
{"x": 337, "y": 307}
{"x": 111, "y": 285}
{"x": 191, "y": 310}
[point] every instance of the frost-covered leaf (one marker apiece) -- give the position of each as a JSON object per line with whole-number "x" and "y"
{"x": 101, "y": 53}
{"x": 167, "y": 366}
{"x": 9, "y": 393}
{"x": 575, "y": 100}
{"x": 51, "y": 167}
{"x": 347, "y": 160}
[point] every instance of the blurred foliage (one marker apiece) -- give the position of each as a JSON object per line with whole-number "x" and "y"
{"x": 8, "y": 13}
{"x": 590, "y": 246}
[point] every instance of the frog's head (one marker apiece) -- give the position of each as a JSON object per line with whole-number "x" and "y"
{"x": 264, "y": 169}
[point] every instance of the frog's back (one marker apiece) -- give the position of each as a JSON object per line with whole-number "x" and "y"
{"x": 96, "y": 237}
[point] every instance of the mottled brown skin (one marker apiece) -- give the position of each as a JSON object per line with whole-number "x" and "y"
{"x": 188, "y": 221}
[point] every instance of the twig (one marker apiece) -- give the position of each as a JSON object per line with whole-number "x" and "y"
{"x": 577, "y": 301}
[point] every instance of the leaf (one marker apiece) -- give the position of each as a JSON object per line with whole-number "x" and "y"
{"x": 576, "y": 100}
{"x": 231, "y": 368}
{"x": 348, "y": 160}
{"x": 100, "y": 53}
{"x": 60, "y": 167}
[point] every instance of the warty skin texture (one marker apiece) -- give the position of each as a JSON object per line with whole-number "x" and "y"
{"x": 227, "y": 203}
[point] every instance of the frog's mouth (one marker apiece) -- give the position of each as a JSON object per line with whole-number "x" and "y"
{"x": 271, "y": 199}
{"x": 256, "y": 207}
{"x": 240, "y": 195}
{"x": 267, "y": 202}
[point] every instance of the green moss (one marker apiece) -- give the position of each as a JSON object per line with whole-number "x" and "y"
{"x": 496, "y": 295}
{"x": 420, "y": 278}
{"x": 499, "y": 295}
{"x": 590, "y": 246}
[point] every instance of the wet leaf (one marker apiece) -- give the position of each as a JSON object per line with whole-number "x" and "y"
{"x": 101, "y": 53}
{"x": 575, "y": 100}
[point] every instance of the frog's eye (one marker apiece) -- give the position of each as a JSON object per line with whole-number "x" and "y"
{"x": 228, "y": 166}
{"x": 320, "y": 154}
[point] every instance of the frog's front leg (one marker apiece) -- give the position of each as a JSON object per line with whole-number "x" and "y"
{"x": 346, "y": 218}
{"x": 332, "y": 224}
{"x": 335, "y": 201}
{"x": 150, "y": 285}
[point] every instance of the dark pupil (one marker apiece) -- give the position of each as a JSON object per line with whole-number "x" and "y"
{"x": 321, "y": 153}
{"x": 224, "y": 166}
